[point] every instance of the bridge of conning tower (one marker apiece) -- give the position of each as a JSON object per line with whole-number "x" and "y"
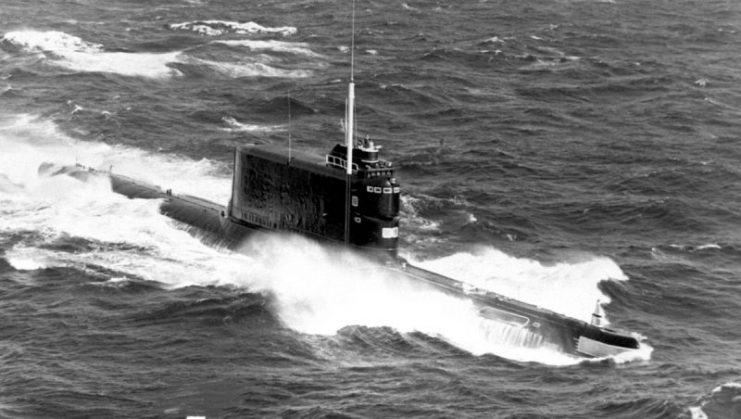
{"x": 365, "y": 162}
{"x": 375, "y": 195}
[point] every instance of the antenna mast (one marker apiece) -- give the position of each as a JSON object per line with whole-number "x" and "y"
{"x": 289, "y": 127}
{"x": 350, "y": 127}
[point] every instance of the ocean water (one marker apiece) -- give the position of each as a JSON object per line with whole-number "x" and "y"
{"x": 557, "y": 151}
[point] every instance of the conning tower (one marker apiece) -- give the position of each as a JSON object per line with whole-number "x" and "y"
{"x": 307, "y": 194}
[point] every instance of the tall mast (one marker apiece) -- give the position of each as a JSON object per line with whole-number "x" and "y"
{"x": 350, "y": 127}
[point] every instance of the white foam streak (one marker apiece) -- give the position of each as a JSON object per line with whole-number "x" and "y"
{"x": 723, "y": 402}
{"x": 727, "y": 386}
{"x": 52, "y": 41}
{"x": 236, "y": 126}
{"x": 151, "y": 65}
{"x": 252, "y": 69}
{"x": 220, "y": 27}
{"x": 73, "y": 53}
{"x": 319, "y": 291}
{"x": 696, "y": 412}
{"x": 129, "y": 237}
{"x": 567, "y": 288}
{"x": 299, "y": 48}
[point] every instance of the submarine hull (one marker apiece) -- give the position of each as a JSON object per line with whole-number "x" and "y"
{"x": 212, "y": 223}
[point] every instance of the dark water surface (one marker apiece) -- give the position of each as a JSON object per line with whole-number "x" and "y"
{"x": 559, "y": 152}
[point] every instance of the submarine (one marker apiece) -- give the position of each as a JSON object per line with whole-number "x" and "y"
{"x": 348, "y": 197}
{"x": 304, "y": 193}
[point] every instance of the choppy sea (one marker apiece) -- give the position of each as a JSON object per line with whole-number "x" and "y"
{"x": 557, "y": 151}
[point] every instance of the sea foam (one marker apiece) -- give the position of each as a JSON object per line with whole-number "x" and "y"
{"x": 568, "y": 287}
{"x": 71, "y": 52}
{"x": 220, "y": 27}
{"x": 252, "y": 69}
{"x": 300, "y": 48}
{"x": 236, "y": 126}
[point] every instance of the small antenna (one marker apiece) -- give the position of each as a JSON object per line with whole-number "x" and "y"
{"x": 289, "y": 126}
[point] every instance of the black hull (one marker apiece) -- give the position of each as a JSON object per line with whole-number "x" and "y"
{"x": 212, "y": 223}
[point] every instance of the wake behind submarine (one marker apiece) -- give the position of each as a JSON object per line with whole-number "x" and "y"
{"x": 348, "y": 197}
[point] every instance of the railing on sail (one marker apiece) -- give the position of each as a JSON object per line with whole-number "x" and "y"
{"x": 335, "y": 161}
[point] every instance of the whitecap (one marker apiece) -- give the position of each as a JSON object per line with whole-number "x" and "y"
{"x": 73, "y": 53}
{"x": 709, "y": 246}
{"x": 569, "y": 288}
{"x": 236, "y": 126}
{"x": 412, "y": 218}
{"x": 252, "y": 69}
{"x": 25, "y": 262}
{"x": 408, "y": 7}
{"x": 323, "y": 290}
{"x": 27, "y": 141}
{"x": 220, "y": 27}
{"x": 52, "y": 41}
{"x": 495, "y": 39}
{"x": 300, "y": 48}
{"x": 723, "y": 401}
{"x": 696, "y": 412}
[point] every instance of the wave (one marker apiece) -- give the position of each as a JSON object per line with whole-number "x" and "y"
{"x": 569, "y": 288}
{"x": 300, "y": 48}
{"x": 71, "y": 52}
{"x": 52, "y": 41}
{"x": 691, "y": 248}
{"x": 252, "y": 69}
{"x": 236, "y": 126}
{"x": 221, "y": 27}
{"x": 48, "y": 211}
{"x": 723, "y": 402}
{"x": 320, "y": 291}
{"x": 411, "y": 207}
{"x": 27, "y": 141}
